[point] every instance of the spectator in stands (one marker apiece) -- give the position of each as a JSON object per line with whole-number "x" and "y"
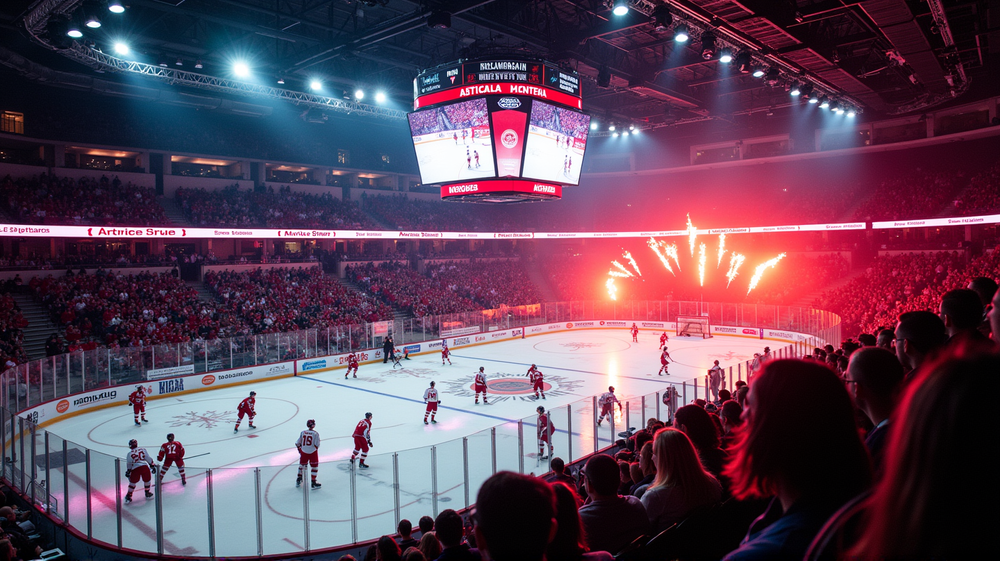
{"x": 918, "y": 335}
{"x": 405, "y": 529}
{"x": 810, "y": 468}
{"x": 430, "y": 546}
{"x": 625, "y": 472}
{"x": 413, "y": 554}
{"x": 426, "y": 524}
{"x": 559, "y": 474}
{"x": 741, "y": 392}
{"x": 873, "y": 378}
{"x": 886, "y": 339}
{"x": 515, "y": 517}
{"x": 387, "y": 549}
{"x": 570, "y": 542}
{"x": 647, "y": 470}
{"x": 610, "y": 521}
{"x": 681, "y": 484}
{"x": 731, "y": 416}
{"x": 986, "y": 288}
{"x": 930, "y": 504}
{"x": 697, "y": 424}
{"x": 25, "y": 547}
{"x": 53, "y": 346}
{"x": 450, "y": 530}
{"x": 962, "y": 312}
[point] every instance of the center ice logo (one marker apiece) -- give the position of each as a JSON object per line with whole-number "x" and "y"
{"x": 579, "y": 345}
{"x": 503, "y": 386}
{"x": 206, "y": 420}
{"x": 508, "y": 138}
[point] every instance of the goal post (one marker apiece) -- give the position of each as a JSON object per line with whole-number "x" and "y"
{"x": 693, "y": 326}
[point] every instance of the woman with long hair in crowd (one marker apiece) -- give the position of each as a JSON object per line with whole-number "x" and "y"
{"x": 937, "y": 499}
{"x": 570, "y": 542}
{"x": 681, "y": 485}
{"x": 697, "y": 424}
{"x": 799, "y": 445}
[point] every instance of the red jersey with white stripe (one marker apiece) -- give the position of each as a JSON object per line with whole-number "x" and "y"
{"x": 138, "y": 457}
{"x": 364, "y": 428}
{"x": 352, "y": 361}
{"x": 535, "y": 376}
{"x": 430, "y": 396}
{"x": 246, "y": 405}
{"x": 308, "y": 441}
{"x": 138, "y": 397}
{"x": 480, "y": 379}
{"x": 545, "y": 427}
{"x": 172, "y": 450}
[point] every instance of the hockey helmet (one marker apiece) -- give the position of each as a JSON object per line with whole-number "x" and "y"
{"x": 611, "y": 388}
{"x": 540, "y": 409}
{"x": 432, "y": 384}
{"x": 253, "y": 394}
{"x": 170, "y": 437}
{"x": 532, "y": 365}
{"x": 368, "y": 415}
{"x": 310, "y": 423}
{"x": 133, "y": 443}
{"x": 481, "y": 369}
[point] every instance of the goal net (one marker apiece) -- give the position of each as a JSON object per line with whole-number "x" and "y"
{"x": 693, "y": 326}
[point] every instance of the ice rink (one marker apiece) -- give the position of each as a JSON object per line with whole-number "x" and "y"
{"x": 576, "y": 365}
{"x": 443, "y": 160}
{"x": 547, "y": 160}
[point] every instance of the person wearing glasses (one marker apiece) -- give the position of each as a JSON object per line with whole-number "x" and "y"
{"x": 873, "y": 377}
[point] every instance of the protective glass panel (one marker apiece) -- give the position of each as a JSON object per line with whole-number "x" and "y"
{"x": 104, "y": 498}
{"x": 235, "y": 512}
{"x": 451, "y": 475}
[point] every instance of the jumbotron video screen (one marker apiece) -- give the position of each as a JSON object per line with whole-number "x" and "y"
{"x": 452, "y": 142}
{"x": 557, "y": 139}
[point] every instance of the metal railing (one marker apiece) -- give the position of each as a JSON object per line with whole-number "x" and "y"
{"x": 219, "y": 509}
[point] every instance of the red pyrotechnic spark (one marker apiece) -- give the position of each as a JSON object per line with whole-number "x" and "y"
{"x": 722, "y": 249}
{"x": 735, "y": 260}
{"x": 611, "y": 288}
{"x": 655, "y": 246}
{"x": 622, "y": 271}
{"x": 692, "y": 234}
{"x": 761, "y": 268}
{"x": 701, "y": 264}
{"x": 671, "y": 251}
{"x": 628, "y": 256}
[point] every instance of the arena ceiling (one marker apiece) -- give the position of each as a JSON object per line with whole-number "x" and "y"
{"x": 884, "y": 56}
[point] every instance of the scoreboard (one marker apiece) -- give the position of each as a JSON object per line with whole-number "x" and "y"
{"x": 499, "y": 130}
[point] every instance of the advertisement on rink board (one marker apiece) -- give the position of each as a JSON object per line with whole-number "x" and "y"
{"x": 158, "y": 373}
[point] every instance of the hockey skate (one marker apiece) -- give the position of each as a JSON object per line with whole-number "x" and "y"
{"x": 363, "y": 464}
{"x": 149, "y": 494}
{"x": 425, "y": 421}
{"x": 433, "y": 421}
{"x": 138, "y": 424}
{"x": 128, "y": 498}
{"x": 236, "y": 430}
{"x": 315, "y": 485}
{"x": 355, "y": 374}
{"x": 144, "y": 420}
{"x": 298, "y": 481}
{"x": 184, "y": 481}
{"x": 252, "y": 426}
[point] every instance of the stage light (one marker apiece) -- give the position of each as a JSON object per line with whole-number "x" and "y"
{"x": 281, "y": 80}
{"x": 631, "y": 127}
{"x": 179, "y": 62}
{"x": 758, "y": 72}
{"x": 625, "y": 133}
{"x": 620, "y": 8}
{"x": 593, "y": 125}
{"x": 611, "y": 127}
{"x": 116, "y": 7}
{"x": 90, "y": 17}
{"x": 725, "y": 56}
{"x": 796, "y": 90}
{"x": 636, "y": 131}
{"x": 707, "y": 46}
{"x": 73, "y": 30}
{"x": 614, "y": 135}
{"x": 851, "y": 112}
{"x": 198, "y": 64}
{"x": 836, "y": 108}
{"x": 241, "y": 69}
{"x": 93, "y": 22}
{"x": 359, "y": 94}
{"x": 662, "y": 18}
{"x": 379, "y": 97}
{"x": 681, "y": 34}
{"x": 122, "y": 48}
{"x": 824, "y": 102}
{"x": 813, "y": 98}
{"x": 315, "y": 85}
{"x": 162, "y": 61}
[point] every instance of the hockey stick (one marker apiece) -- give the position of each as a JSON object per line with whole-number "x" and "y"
{"x": 198, "y": 456}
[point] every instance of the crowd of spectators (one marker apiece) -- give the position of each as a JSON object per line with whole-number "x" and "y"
{"x": 918, "y": 195}
{"x": 563, "y": 121}
{"x": 466, "y": 115}
{"x": 47, "y": 199}
{"x": 12, "y": 324}
{"x": 425, "y": 122}
{"x": 231, "y": 207}
{"x": 489, "y": 283}
{"x": 399, "y": 285}
{"x": 983, "y": 194}
{"x": 279, "y": 300}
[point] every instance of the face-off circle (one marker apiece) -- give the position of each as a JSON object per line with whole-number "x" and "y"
{"x": 512, "y": 386}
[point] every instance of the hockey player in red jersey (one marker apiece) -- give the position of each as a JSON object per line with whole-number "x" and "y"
{"x": 635, "y": 333}
{"x": 545, "y": 431}
{"x": 665, "y": 359}
{"x": 138, "y": 465}
{"x": 607, "y": 403}
{"x": 480, "y": 385}
{"x": 362, "y": 440}
{"x": 173, "y": 451}
{"x": 663, "y": 340}
{"x": 352, "y": 364}
{"x": 246, "y": 408}
{"x": 137, "y": 400}
{"x": 535, "y": 377}
{"x": 308, "y": 447}
{"x": 445, "y": 353}
{"x": 431, "y": 399}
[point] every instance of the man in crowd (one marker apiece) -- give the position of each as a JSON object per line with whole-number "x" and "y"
{"x": 610, "y": 521}
{"x": 559, "y": 473}
{"x": 449, "y": 531}
{"x": 515, "y": 517}
{"x": 917, "y": 336}
{"x": 873, "y": 377}
{"x": 405, "y": 530}
{"x": 962, "y": 313}
{"x": 985, "y": 288}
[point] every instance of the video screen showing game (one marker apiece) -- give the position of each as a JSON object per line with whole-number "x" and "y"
{"x": 557, "y": 139}
{"x": 453, "y": 142}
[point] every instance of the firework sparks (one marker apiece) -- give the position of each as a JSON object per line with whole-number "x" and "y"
{"x": 621, "y": 272}
{"x": 735, "y": 260}
{"x": 722, "y": 249}
{"x": 611, "y": 288}
{"x": 655, "y": 246}
{"x": 628, "y": 256}
{"x": 692, "y": 234}
{"x": 701, "y": 264}
{"x": 671, "y": 251}
{"x": 761, "y": 268}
